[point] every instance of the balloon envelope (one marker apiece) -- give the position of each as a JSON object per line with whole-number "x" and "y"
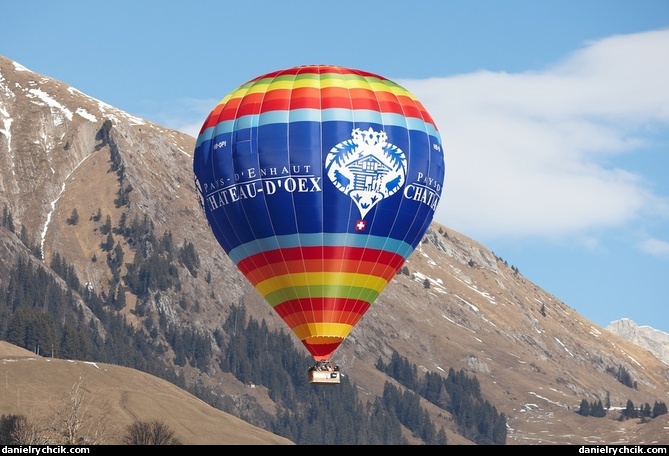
{"x": 319, "y": 181}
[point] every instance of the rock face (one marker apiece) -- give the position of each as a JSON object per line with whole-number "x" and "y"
{"x": 653, "y": 340}
{"x": 456, "y": 305}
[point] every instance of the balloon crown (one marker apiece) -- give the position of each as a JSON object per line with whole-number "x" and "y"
{"x": 369, "y": 137}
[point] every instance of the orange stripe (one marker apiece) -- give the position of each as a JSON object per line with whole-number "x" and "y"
{"x": 257, "y": 275}
{"x": 300, "y": 318}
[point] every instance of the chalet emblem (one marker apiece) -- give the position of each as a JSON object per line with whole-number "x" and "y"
{"x": 366, "y": 168}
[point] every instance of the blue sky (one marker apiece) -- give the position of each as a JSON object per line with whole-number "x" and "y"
{"x": 554, "y": 116}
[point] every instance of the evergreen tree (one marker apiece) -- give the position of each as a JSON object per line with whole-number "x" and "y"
{"x": 630, "y": 411}
{"x": 659, "y": 408}
{"x": 107, "y": 227}
{"x": 108, "y": 244}
{"x": 74, "y": 217}
{"x": 122, "y": 224}
{"x": 584, "y": 408}
{"x": 189, "y": 257}
{"x": 608, "y": 401}
{"x": 7, "y": 220}
{"x": 624, "y": 377}
{"x": 441, "y": 438}
{"x": 24, "y": 236}
{"x": 597, "y": 409}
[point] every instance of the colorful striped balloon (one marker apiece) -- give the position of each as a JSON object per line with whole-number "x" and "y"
{"x": 319, "y": 181}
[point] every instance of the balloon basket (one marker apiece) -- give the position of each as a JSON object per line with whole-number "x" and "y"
{"x": 324, "y": 373}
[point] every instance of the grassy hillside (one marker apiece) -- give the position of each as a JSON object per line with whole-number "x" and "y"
{"x": 109, "y": 398}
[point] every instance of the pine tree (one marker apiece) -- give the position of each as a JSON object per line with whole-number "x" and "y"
{"x": 74, "y": 217}
{"x": 584, "y": 408}
{"x": 659, "y": 408}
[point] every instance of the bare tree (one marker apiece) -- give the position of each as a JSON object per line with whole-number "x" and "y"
{"x": 81, "y": 419}
{"x": 27, "y": 433}
{"x": 73, "y": 413}
{"x": 150, "y": 433}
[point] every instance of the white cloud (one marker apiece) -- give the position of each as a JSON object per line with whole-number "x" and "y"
{"x": 190, "y": 108}
{"x": 192, "y": 129}
{"x": 533, "y": 154}
{"x": 655, "y": 247}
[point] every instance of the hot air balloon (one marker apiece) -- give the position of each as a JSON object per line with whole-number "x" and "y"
{"x": 319, "y": 181}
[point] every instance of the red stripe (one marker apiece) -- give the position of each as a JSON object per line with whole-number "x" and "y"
{"x": 309, "y": 98}
{"x": 331, "y": 310}
{"x": 318, "y": 69}
{"x": 322, "y": 352}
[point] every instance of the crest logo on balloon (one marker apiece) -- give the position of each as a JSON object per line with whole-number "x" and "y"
{"x": 366, "y": 168}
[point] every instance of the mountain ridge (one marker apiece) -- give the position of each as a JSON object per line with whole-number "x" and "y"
{"x": 653, "y": 340}
{"x": 458, "y": 305}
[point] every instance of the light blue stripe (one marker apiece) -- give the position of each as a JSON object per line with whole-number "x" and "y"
{"x": 321, "y": 239}
{"x": 240, "y": 124}
{"x": 317, "y": 115}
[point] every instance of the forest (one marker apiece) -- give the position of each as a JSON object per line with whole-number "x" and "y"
{"x": 39, "y": 314}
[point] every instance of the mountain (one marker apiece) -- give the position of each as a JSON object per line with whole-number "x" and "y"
{"x": 653, "y": 340}
{"x": 84, "y": 182}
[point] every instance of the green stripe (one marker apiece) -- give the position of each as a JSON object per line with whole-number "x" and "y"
{"x": 317, "y": 291}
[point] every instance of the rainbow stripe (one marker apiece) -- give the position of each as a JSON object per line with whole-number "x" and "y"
{"x": 321, "y": 292}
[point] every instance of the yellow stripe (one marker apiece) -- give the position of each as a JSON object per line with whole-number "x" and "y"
{"x": 321, "y": 278}
{"x": 226, "y": 98}
{"x": 322, "y": 330}
{"x": 259, "y": 87}
{"x": 316, "y": 83}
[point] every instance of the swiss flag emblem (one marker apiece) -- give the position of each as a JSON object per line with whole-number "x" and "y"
{"x": 360, "y": 225}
